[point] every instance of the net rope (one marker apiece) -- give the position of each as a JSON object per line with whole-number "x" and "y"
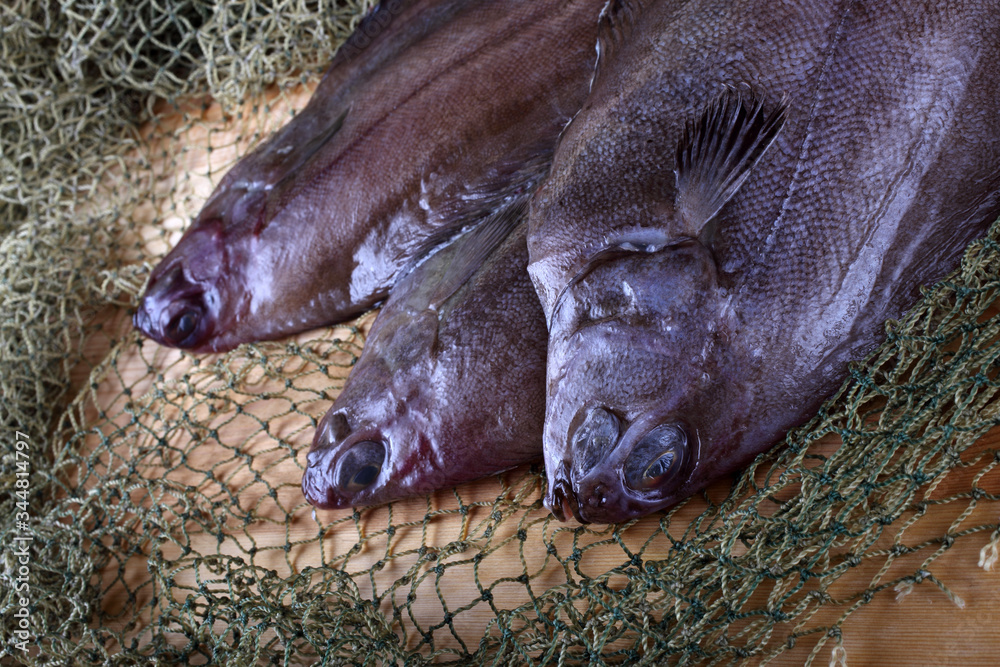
{"x": 156, "y": 493}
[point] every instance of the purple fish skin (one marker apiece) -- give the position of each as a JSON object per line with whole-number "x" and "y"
{"x": 442, "y": 393}
{"x": 681, "y": 346}
{"x": 431, "y": 115}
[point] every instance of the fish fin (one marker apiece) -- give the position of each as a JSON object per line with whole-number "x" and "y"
{"x": 518, "y": 177}
{"x": 614, "y": 26}
{"x": 716, "y": 155}
{"x": 477, "y": 246}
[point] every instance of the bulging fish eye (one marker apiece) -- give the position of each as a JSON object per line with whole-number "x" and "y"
{"x": 360, "y": 466}
{"x": 594, "y": 438}
{"x": 182, "y": 326}
{"x": 657, "y": 458}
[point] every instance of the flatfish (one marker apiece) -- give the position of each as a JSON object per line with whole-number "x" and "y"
{"x": 750, "y": 192}
{"x": 450, "y": 385}
{"x": 434, "y": 114}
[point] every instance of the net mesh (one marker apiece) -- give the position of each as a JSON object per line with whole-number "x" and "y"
{"x": 154, "y": 495}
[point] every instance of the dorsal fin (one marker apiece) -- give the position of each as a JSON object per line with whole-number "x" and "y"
{"x": 716, "y": 155}
{"x": 476, "y": 246}
{"x": 614, "y": 27}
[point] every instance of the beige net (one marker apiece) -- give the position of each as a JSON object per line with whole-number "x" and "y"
{"x": 150, "y": 507}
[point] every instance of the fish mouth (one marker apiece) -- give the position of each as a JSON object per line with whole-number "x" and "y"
{"x": 591, "y": 501}
{"x": 143, "y": 321}
{"x": 561, "y": 499}
{"x": 594, "y": 501}
{"x": 317, "y": 483}
{"x": 601, "y": 499}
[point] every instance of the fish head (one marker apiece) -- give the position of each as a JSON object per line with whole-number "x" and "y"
{"x": 346, "y": 467}
{"x": 182, "y": 303}
{"x": 381, "y": 440}
{"x": 214, "y": 289}
{"x": 357, "y": 460}
{"x": 633, "y": 392}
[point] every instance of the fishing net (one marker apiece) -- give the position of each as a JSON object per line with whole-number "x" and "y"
{"x": 150, "y": 508}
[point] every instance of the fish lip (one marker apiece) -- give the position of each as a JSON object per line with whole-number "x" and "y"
{"x": 143, "y": 319}
{"x": 561, "y": 500}
{"x": 318, "y": 478}
{"x": 142, "y": 322}
{"x": 317, "y": 482}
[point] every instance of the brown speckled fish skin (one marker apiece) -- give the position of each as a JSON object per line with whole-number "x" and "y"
{"x": 710, "y": 341}
{"x": 449, "y": 109}
{"x": 449, "y": 392}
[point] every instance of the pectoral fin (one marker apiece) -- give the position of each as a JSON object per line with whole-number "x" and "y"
{"x": 475, "y": 247}
{"x": 615, "y": 25}
{"x": 716, "y": 155}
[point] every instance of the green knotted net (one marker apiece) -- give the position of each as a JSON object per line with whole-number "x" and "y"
{"x": 150, "y": 509}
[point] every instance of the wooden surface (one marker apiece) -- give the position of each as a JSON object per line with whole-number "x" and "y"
{"x": 921, "y": 627}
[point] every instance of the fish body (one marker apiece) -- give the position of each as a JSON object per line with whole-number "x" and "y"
{"x": 431, "y": 116}
{"x": 750, "y": 191}
{"x": 450, "y": 385}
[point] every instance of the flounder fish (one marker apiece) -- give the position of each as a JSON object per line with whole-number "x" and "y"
{"x": 450, "y": 385}
{"x": 432, "y": 115}
{"x": 750, "y": 191}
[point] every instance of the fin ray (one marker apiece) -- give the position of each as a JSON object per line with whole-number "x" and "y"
{"x": 479, "y": 244}
{"x": 718, "y": 152}
{"x": 486, "y": 199}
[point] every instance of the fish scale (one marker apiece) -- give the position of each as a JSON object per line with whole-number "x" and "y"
{"x": 868, "y": 136}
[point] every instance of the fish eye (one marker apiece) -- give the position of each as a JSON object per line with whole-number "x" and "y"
{"x": 594, "y": 438}
{"x": 181, "y": 326}
{"x": 360, "y": 466}
{"x": 657, "y": 458}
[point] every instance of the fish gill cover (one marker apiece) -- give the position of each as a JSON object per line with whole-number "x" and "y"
{"x": 150, "y": 506}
